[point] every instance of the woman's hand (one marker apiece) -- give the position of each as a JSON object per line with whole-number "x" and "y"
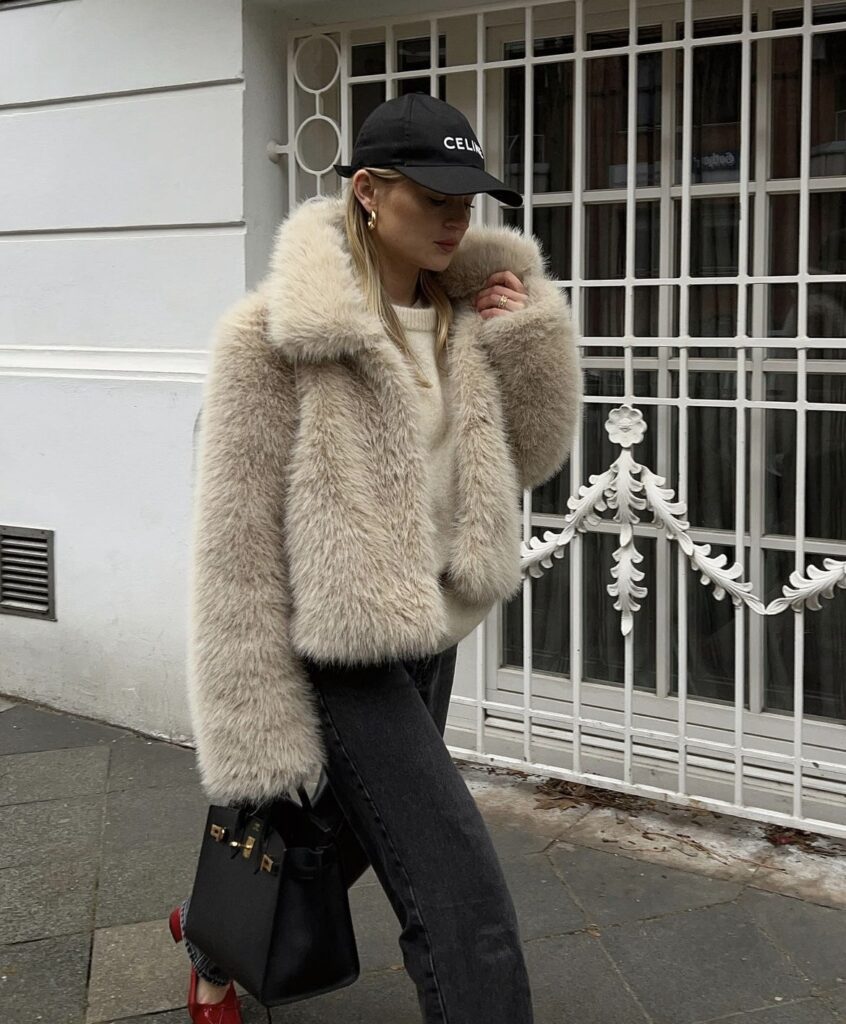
{"x": 488, "y": 299}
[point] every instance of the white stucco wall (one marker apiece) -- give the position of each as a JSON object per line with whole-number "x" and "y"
{"x": 136, "y": 202}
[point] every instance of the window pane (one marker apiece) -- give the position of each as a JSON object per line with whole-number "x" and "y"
{"x": 710, "y": 636}
{"x": 828, "y": 104}
{"x": 825, "y": 647}
{"x": 550, "y": 621}
{"x": 365, "y": 97}
{"x": 606, "y": 116}
{"x": 648, "y": 119}
{"x": 713, "y": 313}
{"x": 715, "y": 116}
{"x": 781, "y": 313}
{"x": 827, "y": 315}
{"x": 605, "y": 240}
{"x": 553, "y": 226}
{"x": 784, "y": 234}
{"x": 367, "y": 57}
{"x": 825, "y": 511}
{"x": 785, "y": 124}
{"x": 553, "y": 144}
{"x": 714, "y": 230}
{"x": 603, "y": 311}
{"x": 827, "y": 234}
{"x": 603, "y": 643}
{"x": 647, "y": 238}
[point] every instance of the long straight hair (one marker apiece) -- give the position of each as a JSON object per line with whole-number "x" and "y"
{"x": 366, "y": 260}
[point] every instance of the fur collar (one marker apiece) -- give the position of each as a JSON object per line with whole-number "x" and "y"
{"x": 316, "y": 310}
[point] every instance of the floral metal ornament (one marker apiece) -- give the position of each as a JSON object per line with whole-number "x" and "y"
{"x": 628, "y": 488}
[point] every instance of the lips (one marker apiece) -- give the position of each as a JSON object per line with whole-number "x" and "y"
{"x": 447, "y": 245}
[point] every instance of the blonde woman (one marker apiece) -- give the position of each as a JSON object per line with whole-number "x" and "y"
{"x": 372, "y": 411}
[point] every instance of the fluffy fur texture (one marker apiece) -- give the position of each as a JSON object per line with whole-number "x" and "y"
{"x": 310, "y": 534}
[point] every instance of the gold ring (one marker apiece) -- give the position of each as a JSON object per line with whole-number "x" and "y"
{"x": 503, "y": 299}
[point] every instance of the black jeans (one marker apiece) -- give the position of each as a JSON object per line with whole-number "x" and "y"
{"x": 402, "y": 806}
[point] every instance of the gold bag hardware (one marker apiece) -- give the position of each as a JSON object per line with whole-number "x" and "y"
{"x": 219, "y": 832}
{"x": 246, "y": 846}
{"x": 269, "y": 865}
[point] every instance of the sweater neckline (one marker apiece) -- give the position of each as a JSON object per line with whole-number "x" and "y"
{"x": 417, "y": 317}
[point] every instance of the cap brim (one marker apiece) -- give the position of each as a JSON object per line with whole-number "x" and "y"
{"x": 451, "y": 180}
{"x": 454, "y": 180}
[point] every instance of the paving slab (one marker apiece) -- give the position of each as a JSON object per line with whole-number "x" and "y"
{"x": 51, "y": 831}
{"x": 574, "y": 982}
{"x": 136, "y": 969}
{"x": 543, "y": 903}
{"x": 700, "y": 964}
{"x": 53, "y": 774}
{"x": 387, "y": 995}
{"x": 25, "y": 728}
{"x": 836, "y": 997}
{"x": 44, "y": 982}
{"x": 47, "y": 899}
{"x": 614, "y": 889}
{"x": 812, "y": 937}
{"x": 806, "y": 1011}
{"x": 140, "y": 763}
{"x": 6, "y": 703}
{"x": 151, "y": 840}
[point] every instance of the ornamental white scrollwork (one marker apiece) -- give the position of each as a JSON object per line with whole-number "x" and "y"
{"x": 629, "y": 488}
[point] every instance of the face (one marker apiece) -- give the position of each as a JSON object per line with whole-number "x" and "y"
{"x": 412, "y": 220}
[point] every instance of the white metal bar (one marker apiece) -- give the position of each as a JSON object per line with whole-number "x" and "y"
{"x": 628, "y": 332}
{"x": 528, "y": 189}
{"x": 801, "y": 404}
{"x": 684, "y": 338}
{"x": 576, "y": 458}
{"x": 740, "y": 409}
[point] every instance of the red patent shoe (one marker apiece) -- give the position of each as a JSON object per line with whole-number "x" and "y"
{"x": 227, "y": 1011}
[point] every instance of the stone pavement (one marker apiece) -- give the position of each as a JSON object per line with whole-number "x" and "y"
{"x": 657, "y": 914}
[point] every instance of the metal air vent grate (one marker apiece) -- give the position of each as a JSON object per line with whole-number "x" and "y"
{"x": 26, "y": 572}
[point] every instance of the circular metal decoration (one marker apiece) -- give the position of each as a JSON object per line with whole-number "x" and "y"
{"x": 314, "y": 58}
{"x": 316, "y": 139}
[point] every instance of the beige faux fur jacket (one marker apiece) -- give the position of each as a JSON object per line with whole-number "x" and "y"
{"x": 309, "y": 532}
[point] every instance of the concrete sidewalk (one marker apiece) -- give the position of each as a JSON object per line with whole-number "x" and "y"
{"x": 629, "y": 912}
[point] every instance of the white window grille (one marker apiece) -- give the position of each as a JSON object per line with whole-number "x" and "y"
{"x": 688, "y": 183}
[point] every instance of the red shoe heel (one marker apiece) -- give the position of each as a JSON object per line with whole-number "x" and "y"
{"x": 227, "y": 1011}
{"x": 175, "y": 925}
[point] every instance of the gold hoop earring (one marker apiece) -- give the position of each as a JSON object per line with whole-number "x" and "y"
{"x": 371, "y": 220}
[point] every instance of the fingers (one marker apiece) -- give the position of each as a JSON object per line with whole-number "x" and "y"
{"x": 489, "y": 301}
{"x": 508, "y": 279}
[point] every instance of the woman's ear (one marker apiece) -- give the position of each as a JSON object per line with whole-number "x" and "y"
{"x": 363, "y": 187}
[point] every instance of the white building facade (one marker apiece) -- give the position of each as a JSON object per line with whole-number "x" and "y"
{"x": 684, "y": 166}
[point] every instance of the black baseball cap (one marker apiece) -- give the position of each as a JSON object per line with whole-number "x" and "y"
{"x": 429, "y": 141}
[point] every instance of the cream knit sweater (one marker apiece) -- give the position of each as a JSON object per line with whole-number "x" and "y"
{"x": 419, "y": 323}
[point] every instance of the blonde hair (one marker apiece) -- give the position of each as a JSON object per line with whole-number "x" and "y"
{"x": 366, "y": 261}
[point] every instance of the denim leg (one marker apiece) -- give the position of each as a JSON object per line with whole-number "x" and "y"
{"x": 433, "y": 678}
{"x": 203, "y": 966}
{"x": 416, "y": 820}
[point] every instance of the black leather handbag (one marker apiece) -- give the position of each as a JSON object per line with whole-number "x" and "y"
{"x": 269, "y": 904}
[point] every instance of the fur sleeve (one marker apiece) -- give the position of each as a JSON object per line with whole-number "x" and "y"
{"x": 255, "y": 721}
{"x": 536, "y": 358}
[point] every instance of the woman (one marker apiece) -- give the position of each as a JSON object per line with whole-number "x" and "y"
{"x": 372, "y": 410}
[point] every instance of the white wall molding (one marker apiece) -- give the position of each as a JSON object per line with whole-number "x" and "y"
{"x": 187, "y": 365}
